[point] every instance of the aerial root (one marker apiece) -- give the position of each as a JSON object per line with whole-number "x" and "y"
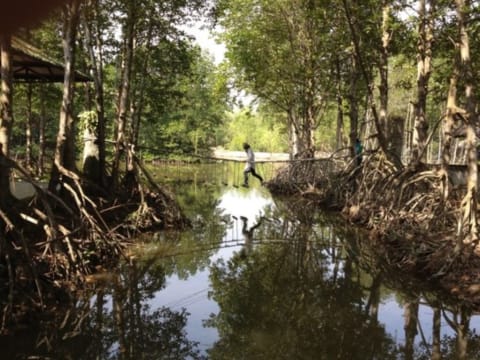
{"x": 405, "y": 210}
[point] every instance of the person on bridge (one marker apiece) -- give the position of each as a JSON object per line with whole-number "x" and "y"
{"x": 250, "y": 165}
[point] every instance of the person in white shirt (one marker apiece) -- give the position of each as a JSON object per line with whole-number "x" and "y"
{"x": 250, "y": 165}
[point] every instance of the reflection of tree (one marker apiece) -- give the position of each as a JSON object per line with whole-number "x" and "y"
{"x": 412, "y": 291}
{"x": 209, "y": 226}
{"x": 437, "y": 323}
{"x": 282, "y": 302}
{"x": 152, "y": 335}
{"x": 411, "y": 321}
{"x": 453, "y": 347}
{"x": 120, "y": 325}
{"x": 139, "y": 331}
{"x": 466, "y": 344}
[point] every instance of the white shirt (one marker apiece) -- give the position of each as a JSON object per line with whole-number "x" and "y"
{"x": 250, "y": 159}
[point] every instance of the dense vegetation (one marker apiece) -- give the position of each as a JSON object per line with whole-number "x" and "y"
{"x": 398, "y": 75}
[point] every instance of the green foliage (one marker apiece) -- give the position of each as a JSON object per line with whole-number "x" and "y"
{"x": 45, "y": 103}
{"x": 326, "y": 131}
{"x": 264, "y": 131}
{"x": 185, "y": 109}
{"x": 88, "y": 120}
{"x": 295, "y": 57}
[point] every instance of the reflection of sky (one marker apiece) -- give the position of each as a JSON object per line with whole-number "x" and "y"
{"x": 241, "y": 202}
{"x": 391, "y": 314}
{"x": 248, "y": 202}
{"x": 192, "y": 293}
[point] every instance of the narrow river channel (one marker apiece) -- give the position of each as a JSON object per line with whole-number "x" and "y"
{"x": 255, "y": 277}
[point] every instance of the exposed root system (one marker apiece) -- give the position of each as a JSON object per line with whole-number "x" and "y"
{"x": 311, "y": 178}
{"x": 55, "y": 240}
{"x": 411, "y": 221}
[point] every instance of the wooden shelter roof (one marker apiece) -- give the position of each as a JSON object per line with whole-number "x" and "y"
{"x": 30, "y": 64}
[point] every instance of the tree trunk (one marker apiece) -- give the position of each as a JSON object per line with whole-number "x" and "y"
{"x": 353, "y": 104}
{"x": 64, "y": 161}
{"x": 447, "y": 129}
{"x": 469, "y": 202}
{"x": 94, "y": 48}
{"x": 41, "y": 134}
{"x": 380, "y": 135}
{"x": 424, "y": 60}
{"x": 28, "y": 129}
{"x": 136, "y": 108}
{"x": 121, "y": 123}
{"x": 311, "y": 113}
{"x": 339, "y": 95}
{"x": 141, "y": 76}
{"x": 383, "y": 69}
{"x": 6, "y": 119}
{"x": 311, "y": 108}
{"x": 396, "y": 125}
{"x": 293, "y": 135}
{"x": 463, "y": 68}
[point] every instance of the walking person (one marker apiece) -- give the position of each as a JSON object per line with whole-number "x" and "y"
{"x": 250, "y": 165}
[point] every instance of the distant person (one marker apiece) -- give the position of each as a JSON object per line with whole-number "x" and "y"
{"x": 358, "y": 147}
{"x": 250, "y": 165}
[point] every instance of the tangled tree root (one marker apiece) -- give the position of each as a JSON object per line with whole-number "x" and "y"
{"x": 404, "y": 210}
{"x": 311, "y": 178}
{"x": 50, "y": 243}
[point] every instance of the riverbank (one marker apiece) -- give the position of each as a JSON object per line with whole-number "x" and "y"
{"x": 411, "y": 225}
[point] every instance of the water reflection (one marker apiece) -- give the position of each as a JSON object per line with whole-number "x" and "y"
{"x": 310, "y": 296}
{"x": 116, "y": 323}
{"x": 296, "y": 296}
{"x": 255, "y": 278}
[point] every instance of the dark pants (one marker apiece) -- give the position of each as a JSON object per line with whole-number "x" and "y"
{"x": 250, "y": 170}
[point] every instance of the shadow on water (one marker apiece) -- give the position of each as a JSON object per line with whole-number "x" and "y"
{"x": 255, "y": 278}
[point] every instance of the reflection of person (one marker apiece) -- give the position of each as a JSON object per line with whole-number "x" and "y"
{"x": 248, "y": 234}
{"x": 358, "y": 151}
{"x": 250, "y": 165}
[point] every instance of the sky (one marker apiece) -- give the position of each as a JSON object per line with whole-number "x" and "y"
{"x": 206, "y": 41}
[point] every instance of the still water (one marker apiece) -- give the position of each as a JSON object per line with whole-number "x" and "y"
{"x": 255, "y": 277}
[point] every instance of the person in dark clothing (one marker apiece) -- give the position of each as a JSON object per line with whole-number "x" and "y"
{"x": 250, "y": 165}
{"x": 358, "y": 147}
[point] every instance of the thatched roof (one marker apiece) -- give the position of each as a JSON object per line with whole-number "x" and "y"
{"x": 30, "y": 64}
